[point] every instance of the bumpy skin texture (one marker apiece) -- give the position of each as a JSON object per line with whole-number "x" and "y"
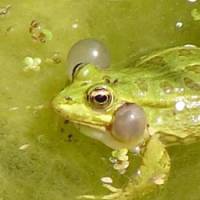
{"x": 165, "y": 84}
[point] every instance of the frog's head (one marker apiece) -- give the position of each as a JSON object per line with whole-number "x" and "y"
{"x": 101, "y": 106}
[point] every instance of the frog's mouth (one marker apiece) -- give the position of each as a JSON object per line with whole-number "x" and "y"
{"x": 100, "y": 133}
{"x": 104, "y": 135}
{"x": 91, "y": 125}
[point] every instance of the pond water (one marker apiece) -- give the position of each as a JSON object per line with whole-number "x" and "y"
{"x": 40, "y": 158}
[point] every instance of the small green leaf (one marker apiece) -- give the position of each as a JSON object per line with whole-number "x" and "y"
{"x": 48, "y": 34}
{"x": 195, "y": 14}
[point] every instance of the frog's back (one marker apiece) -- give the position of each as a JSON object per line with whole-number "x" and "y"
{"x": 169, "y": 90}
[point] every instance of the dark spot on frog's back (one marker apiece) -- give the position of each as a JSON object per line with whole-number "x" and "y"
{"x": 191, "y": 84}
{"x": 66, "y": 121}
{"x": 68, "y": 98}
{"x": 166, "y": 87}
{"x": 84, "y": 83}
{"x": 115, "y": 81}
{"x": 157, "y": 60}
{"x": 142, "y": 85}
{"x": 193, "y": 68}
{"x": 109, "y": 80}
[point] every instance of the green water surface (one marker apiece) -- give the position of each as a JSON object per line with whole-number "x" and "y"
{"x": 40, "y": 157}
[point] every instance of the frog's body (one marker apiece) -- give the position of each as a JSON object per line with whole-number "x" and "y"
{"x": 165, "y": 84}
{"x": 168, "y": 88}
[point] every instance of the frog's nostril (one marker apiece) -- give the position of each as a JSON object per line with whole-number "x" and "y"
{"x": 68, "y": 98}
{"x": 129, "y": 122}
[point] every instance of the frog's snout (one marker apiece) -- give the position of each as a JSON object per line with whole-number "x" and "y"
{"x": 56, "y": 104}
{"x": 59, "y": 106}
{"x": 129, "y": 122}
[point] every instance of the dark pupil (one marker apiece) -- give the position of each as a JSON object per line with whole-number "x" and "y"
{"x": 100, "y": 98}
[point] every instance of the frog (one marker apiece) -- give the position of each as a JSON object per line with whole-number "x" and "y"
{"x": 162, "y": 88}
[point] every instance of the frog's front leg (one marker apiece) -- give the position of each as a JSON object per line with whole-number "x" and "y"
{"x": 153, "y": 171}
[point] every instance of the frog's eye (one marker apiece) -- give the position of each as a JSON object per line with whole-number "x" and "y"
{"x": 129, "y": 122}
{"x": 87, "y": 51}
{"x": 99, "y": 98}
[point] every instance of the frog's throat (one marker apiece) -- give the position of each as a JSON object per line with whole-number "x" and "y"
{"x": 103, "y": 134}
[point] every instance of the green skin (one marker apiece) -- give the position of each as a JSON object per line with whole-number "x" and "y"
{"x": 165, "y": 84}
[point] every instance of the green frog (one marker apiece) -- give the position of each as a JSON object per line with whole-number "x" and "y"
{"x": 148, "y": 106}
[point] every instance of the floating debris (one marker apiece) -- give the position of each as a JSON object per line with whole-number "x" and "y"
{"x": 195, "y": 14}
{"x": 9, "y": 29}
{"x": 159, "y": 180}
{"x": 107, "y": 180}
{"x": 32, "y": 64}
{"x": 23, "y": 147}
{"x": 39, "y": 107}
{"x": 192, "y": 1}
{"x": 4, "y": 10}
{"x": 179, "y": 25}
{"x": 120, "y": 154}
{"x": 13, "y": 108}
{"x": 75, "y": 25}
{"x": 34, "y": 25}
{"x": 86, "y": 197}
{"x": 47, "y": 33}
{"x": 112, "y": 188}
{"x": 39, "y": 33}
{"x": 55, "y": 58}
{"x": 115, "y": 192}
{"x": 120, "y": 160}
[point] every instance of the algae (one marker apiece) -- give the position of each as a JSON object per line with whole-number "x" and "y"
{"x": 40, "y": 156}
